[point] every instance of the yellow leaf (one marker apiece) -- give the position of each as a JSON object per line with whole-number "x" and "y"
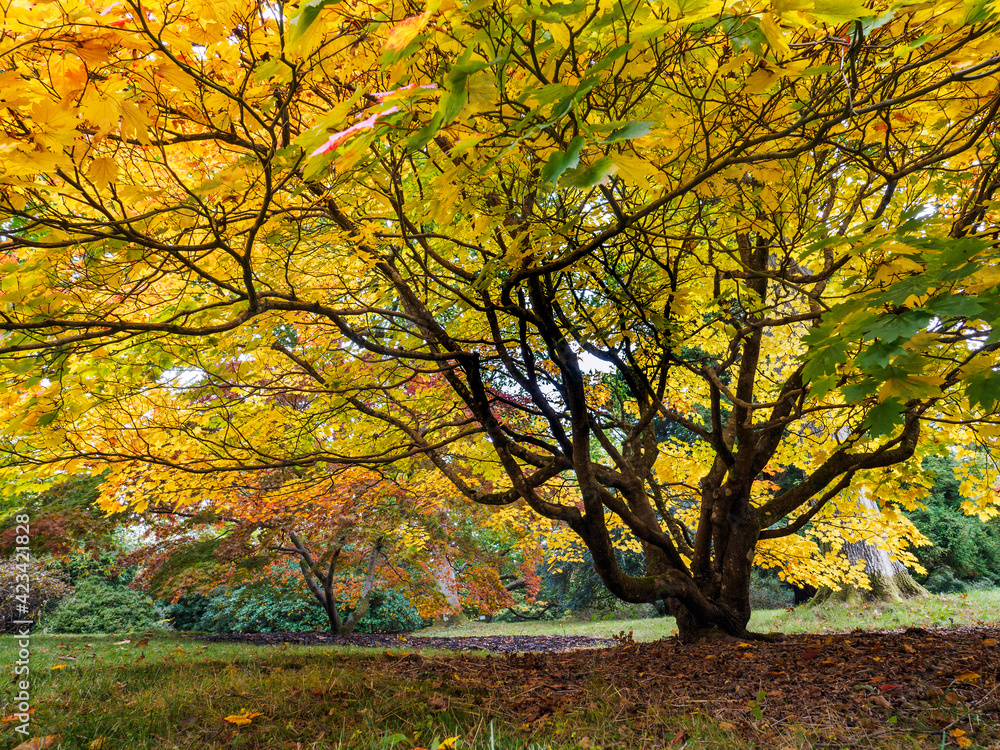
{"x": 102, "y": 171}
{"x": 559, "y": 32}
{"x": 760, "y": 80}
{"x": 59, "y": 666}
{"x": 240, "y": 719}
{"x": 98, "y": 743}
{"x": 774, "y": 35}
{"x": 967, "y": 677}
{"x": 134, "y": 122}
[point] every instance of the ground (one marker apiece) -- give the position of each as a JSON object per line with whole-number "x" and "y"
{"x": 913, "y": 683}
{"x": 862, "y": 684}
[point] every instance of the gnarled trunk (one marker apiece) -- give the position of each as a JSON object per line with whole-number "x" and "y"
{"x": 320, "y": 584}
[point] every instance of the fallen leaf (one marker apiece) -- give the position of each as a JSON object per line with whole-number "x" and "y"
{"x": 39, "y": 743}
{"x": 990, "y": 642}
{"x": 967, "y": 677}
{"x": 59, "y": 666}
{"x": 143, "y": 642}
{"x": 960, "y": 739}
{"x": 437, "y": 703}
{"x": 241, "y": 719}
{"x": 98, "y": 743}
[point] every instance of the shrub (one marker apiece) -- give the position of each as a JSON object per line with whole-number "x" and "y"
{"x": 264, "y": 608}
{"x": 767, "y": 591}
{"x": 943, "y": 581}
{"x": 391, "y": 612}
{"x": 98, "y": 607}
{"x": 963, "y": 547}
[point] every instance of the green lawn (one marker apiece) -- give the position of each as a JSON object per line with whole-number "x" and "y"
{"x": 175, "y": 692}
{"x": 977, "y": 607}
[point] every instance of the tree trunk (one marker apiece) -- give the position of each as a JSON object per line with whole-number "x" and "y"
{"x": 888, "y": 579}
{"x": 361, "y": 608}
{"x": 321, "y": 584}
{"x": 444, "y": 576}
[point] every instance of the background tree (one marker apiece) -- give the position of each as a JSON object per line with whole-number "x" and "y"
{"x": 448, "y": 218}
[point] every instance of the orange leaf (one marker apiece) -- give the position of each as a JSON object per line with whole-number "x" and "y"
{"x": 39, "y": 743}
{"x": 404, "y": 31}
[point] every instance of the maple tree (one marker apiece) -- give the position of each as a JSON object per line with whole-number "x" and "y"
{"x": 772, "y": 222}
{"x": 350, "y": 533}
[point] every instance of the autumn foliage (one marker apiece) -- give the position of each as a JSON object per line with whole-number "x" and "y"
{"x": 708, "y": 274}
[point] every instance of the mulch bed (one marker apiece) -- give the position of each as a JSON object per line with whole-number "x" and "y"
{"x": 497, "y": 644}
{"x": 938, "y": 683}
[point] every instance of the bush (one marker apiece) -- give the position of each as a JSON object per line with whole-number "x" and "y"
{"x": 767, "y": 591}
{"x": 98, "y": 607}
{"x": 963, "y": 546}
{"x": 391, "y": 612}
{"x": 46, "y": 588}
{"x": 264, "y": 608}
{"x": 943, "y": 581}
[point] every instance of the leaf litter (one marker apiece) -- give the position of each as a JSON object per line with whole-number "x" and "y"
{"x": 935, "y": 682}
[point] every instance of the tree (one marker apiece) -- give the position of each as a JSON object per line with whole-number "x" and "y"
{"x": 775, "y": 226}
{"x": 350, "y": 533}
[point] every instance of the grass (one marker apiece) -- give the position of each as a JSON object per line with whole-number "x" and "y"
{"x": 976, "y": 607}
{"x": 175, "y": 692}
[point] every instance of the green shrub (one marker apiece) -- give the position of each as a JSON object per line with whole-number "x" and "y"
{"x": 390, "y": 612}
{"x": 98, "y": 607}
{"x": 265, "y": 608}
{"x": 767, "y": 591}
{"x": 963, "y": 546}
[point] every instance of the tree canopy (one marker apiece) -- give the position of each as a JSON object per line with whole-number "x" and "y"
{"x": 623, "y": 263}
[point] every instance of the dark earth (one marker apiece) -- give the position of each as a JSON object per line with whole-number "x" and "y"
{"x": 939, "y": 685}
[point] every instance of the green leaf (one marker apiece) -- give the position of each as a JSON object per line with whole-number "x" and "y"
{"x": 556, "y": 11}
{"x": 629, "y": 131}
{"x": 858, "y": 392}
{"x": 879, "y": 354}
{"x": 588, "y": 176}
{"x": 884, "y": 418}
{"x": 903, "y": 326}
{"x": 824, "y": 358}
{"x": 955, "y": 306}
{"x": 308, "y": 15}
{"x": 454, "y": 100}
{"x": 983, "y": 390}
{"x": 560, "y": 161}
{"x": 425, "y": 135}
{"x": 47, "y": 419}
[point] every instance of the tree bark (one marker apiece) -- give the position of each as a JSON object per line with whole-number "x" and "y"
{"x": 321, "y": 584}
{"x": 889, "y": 580}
